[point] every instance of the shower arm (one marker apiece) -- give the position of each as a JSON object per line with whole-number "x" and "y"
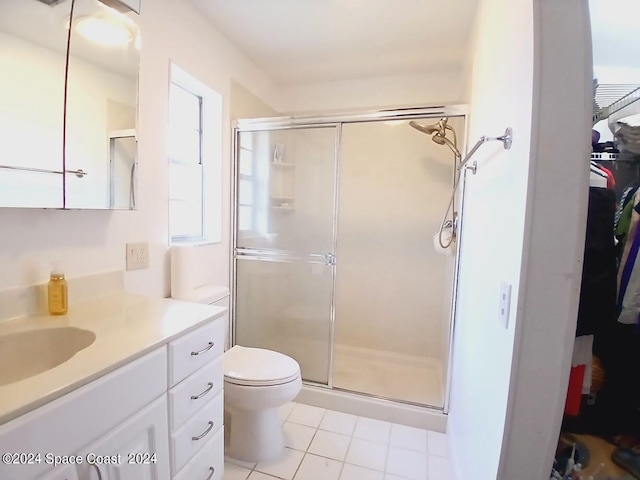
{"x": 506, "y": 140}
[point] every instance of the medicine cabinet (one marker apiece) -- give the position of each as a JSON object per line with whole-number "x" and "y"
{"x": 68, "y": 103}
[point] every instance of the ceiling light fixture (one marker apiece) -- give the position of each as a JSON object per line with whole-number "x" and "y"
{"x": 104, "y": 31}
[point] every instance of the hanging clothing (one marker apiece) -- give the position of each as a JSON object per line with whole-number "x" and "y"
{"x": 627, "y": 195}
{"x": 581, "y": 373}
{"x": 611, "y": 180}
{"x": 598, "y": 294}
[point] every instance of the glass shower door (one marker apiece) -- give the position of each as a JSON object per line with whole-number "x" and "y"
{"x": 285, "y": 239}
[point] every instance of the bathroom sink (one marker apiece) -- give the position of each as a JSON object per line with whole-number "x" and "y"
{"x": 25, "y": 354}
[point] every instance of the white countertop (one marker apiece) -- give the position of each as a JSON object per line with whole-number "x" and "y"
{"x": 126, "y": 327}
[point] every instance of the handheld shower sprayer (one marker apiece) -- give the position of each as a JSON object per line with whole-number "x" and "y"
{"x": 438, "y": 132}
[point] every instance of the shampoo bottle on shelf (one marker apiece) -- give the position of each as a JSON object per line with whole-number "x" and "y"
{"x": 57, "y": 294}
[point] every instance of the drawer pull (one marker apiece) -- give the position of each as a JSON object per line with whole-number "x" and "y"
{"x": 204, "y": 434}
{"x": 97, "y": 470}
{"x": 205, "y": 349}
{"x": 200, "y": 395}
{"x": 212, "y": 470}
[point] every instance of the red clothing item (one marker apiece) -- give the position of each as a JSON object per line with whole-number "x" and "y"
{"x": 611, "y": 180}
{"x": 574, "y": 391}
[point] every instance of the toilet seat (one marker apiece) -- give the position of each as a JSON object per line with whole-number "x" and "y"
{"x": 255, "y": 367}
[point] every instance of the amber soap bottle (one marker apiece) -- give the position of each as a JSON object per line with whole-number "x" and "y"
{"x": 57, "y": 294}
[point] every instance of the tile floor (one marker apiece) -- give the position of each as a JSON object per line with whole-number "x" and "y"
{"x": 328, "y": 445}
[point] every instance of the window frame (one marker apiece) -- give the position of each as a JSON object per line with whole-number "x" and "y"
{"x": 210, "y": 159}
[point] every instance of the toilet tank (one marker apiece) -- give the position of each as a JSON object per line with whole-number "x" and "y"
{"x": 212, "y": 295}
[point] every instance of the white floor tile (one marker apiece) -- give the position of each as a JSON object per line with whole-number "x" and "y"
{"x": 260, "y": 476}
{"x": 438, "y": 444}
{"x": 353, "y": 472}
{"x": 407, "y": 463}
{"x": 285, "y": 410}
{"x": 392, "y": 477}
{"x": 235, "y": 472}
{"x": 297, "y": 436}
{"x": 438, "y": 468}
{"x": 367, "y": 454}
{"x": 283, "y": 467}
{"x": 408, "y": 437}
{"x": 339, "y": 422}
{"x": 329, "y": 444}
{"x": 371, "y": 429}
{"x": 306, "y": 415}
{"x": 318, "y": 468}
{"x": 248, "y": 465}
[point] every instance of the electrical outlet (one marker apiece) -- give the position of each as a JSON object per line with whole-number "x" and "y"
{"x": 505, "y": 303}
{"x": 137, "y": 255}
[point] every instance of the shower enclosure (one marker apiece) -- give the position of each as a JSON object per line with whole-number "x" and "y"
{"x": 334, "y": 258}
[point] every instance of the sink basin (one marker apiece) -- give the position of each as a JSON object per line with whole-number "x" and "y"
{"x": 25, "y": 354}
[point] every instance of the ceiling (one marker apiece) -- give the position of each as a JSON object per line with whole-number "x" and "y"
{"x": 46, "y": 26}
{"x": 301, "y": 41}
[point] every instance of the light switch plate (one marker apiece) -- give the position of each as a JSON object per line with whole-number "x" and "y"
{"x": 137, "y": 255}
{"x": 505, "y": 303}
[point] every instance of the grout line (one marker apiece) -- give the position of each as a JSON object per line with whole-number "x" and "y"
{"x": 348, "y": 448}
{"x": 386, "y": 460}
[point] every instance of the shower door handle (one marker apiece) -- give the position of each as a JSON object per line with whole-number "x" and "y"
{"x": 329, "y": 259}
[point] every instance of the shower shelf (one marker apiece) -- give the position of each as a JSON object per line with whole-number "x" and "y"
{"x": 286, "y": 209}
{"x": 283, "y": 164}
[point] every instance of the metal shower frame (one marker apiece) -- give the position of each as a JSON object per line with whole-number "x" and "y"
{"x": 337, "y": 120}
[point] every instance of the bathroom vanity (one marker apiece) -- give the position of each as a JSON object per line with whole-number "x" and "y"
{"x": 143, "y": 400}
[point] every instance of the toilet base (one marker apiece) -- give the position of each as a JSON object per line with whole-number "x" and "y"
{"x": 253, "y": 435}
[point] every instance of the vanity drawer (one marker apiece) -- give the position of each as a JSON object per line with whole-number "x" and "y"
{"x": 205, "y": 384}
{"x": 202, "y": 426}
{"x": 194, "y": 350}
{"x": 208, "y": 463}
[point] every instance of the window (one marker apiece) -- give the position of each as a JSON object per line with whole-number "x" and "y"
{"x": 194, "y": 150}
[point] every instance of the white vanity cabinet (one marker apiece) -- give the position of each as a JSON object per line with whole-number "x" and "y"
{"x": 196, "y": 403}
{"x": 64, "y": 427}
{"x": 133, "y": 451}
{"x": 67, "y": 472}
{"x": 159, "y": 417}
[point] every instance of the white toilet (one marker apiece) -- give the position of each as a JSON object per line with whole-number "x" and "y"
{"x": 256, "y": 383}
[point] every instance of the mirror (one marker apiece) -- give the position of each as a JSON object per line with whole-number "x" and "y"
{"x": 33, "y": 42}
{"x": 89, "y": 162}
{"x": 101, "y": 108}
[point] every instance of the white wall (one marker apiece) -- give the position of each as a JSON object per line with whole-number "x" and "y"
{"x": 436, "y": 88}
{"x": 509, "y": 382}
{"x": 83, "y": 242}
{"x": 491, "y": 237}
{"x": 552, "y": 270}
{"x": 244, "y": 104}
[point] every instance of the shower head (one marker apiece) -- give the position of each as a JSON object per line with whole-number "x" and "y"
{"x": 438, "y": 132}
{"x": 438, "y": 139}
{"x": 440, "y": 127}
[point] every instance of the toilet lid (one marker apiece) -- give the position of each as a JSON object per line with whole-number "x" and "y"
{"x": 257, "y": 366}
